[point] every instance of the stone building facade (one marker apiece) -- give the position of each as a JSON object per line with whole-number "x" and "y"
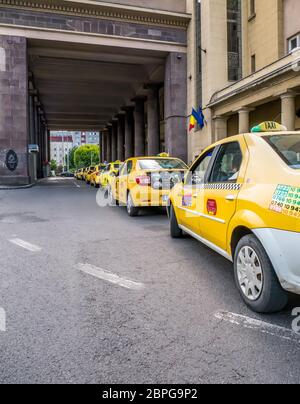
{"x": 249, "y": 67}
{"x": 118, "y": 68}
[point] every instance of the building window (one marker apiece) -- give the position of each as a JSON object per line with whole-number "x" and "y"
{"x": 234, "y": 28}
{"x": 252, "y": 8}
{"x": 294, "y": 42}
{"x": 253, "y": 64}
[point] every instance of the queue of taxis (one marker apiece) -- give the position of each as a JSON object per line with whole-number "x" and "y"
{"x": 146, "y": 182}
{"x": 241, "y": 198}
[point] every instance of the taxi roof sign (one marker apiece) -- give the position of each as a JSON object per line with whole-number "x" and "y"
{"x": 268, "y": 126}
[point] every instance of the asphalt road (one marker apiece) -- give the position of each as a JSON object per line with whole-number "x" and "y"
{"x": 157, "y": 310}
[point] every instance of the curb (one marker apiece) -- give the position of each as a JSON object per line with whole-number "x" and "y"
{"x": 17, "y": 187}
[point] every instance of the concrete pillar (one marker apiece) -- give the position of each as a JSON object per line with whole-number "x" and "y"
{"x": 31, "y": 118}
{"x": 109, "y": 131}
{"x": 139, "y": 127}
{"x": 14, "y": 126}
{"x": 114, "y": 141}
{"x": 220, "y": 128}
{"x": 288, "y": 110}
{"x": 129, "y": 133}
{"x": 102, "y": 147}
{"x": 244, "y": 120}
{"x": 176, "y": 105}
{"x": 121, "y": 137}
{"x": 153, "y": 130}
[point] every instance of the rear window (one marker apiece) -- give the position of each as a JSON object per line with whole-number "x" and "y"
{"x": 161, "y": 164}
{"x": 288, "y": 148}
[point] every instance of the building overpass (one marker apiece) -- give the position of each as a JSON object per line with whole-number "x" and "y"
{"x": 91, "y": 65}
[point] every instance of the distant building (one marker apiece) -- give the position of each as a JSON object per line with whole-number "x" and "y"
{"x": 59, "y": 147}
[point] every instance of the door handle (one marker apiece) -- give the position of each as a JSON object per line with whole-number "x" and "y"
{"x": 230, "y": 198}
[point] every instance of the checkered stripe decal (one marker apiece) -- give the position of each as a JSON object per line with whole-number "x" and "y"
{"x": 224, "y": 186}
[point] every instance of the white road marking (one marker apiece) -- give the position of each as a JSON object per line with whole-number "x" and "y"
{"x": 25, "y": 244}
{"x": 261, "y": 326}
{"x": 110, "y": 277}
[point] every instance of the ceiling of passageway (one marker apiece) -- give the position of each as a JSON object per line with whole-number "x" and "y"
{"x": 83, "y": 87}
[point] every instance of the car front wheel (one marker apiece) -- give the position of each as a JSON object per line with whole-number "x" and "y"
{"x": 256, "y": 279}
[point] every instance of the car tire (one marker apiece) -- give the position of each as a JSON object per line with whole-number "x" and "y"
{"x": 175, "y": 230}
{"x": 271, "y": 298}
{"x": 113, "y": 201}
{"x": 132, "y": 210}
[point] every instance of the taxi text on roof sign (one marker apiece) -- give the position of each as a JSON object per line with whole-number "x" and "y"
{"x": 269, "y": 126}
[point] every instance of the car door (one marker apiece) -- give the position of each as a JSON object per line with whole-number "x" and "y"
{"x": 192, "y": 206}
{"x": 221, "y": 191}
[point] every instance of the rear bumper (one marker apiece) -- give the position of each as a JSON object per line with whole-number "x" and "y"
{"x": 283, "y": 249}
{"x": 146, "y": 197}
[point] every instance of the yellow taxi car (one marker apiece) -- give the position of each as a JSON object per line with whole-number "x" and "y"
{"x": 108, "y": 173}
{"x": 95, "y": 177}
{"x": 241, "y": 198}
{"x": 78, "y": 174}
{"x": 84, "y": 173}
{"x": 89, "y": 173}
{"x": 146, "y": 182}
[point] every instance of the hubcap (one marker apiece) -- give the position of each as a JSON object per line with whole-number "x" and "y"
{"x": 129, "y": 204}
{"x": 250, "y": 274}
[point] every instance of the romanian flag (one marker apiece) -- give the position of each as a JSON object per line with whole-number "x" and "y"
{"x": 197, "y": 117}
{"x": 192, "y": 122}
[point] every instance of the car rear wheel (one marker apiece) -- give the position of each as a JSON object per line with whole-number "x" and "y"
{"x": 175, "y": 230}
{"x": 131, "y": 209}
{"x": 112, "y": 200}
{"x": 256, "y": 279}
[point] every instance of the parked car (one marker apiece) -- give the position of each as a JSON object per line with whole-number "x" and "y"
{"x": 241, "y": 198}
{"x": 95, "y": 177}
{"x": 146, "y": 182}
{"x": 78, "y": 174}
{"x": 110, "y": 171}
{"x": 67, "y": 174}
{"x": 89, "y": 173}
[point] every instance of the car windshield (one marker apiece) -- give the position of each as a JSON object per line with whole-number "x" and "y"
{"x": 288, "y": 148}
{"x": 161, "y": 164}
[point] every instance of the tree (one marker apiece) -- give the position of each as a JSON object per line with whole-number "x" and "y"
{"x": 86, "y": 156}
{"x": 53, "y": 165}
{"x": 71, "y": 158}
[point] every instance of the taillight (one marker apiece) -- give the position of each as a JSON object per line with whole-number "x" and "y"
{"x": 143, "y": 180}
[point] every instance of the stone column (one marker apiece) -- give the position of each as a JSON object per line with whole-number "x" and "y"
{"x": 139, "y": 127}
{"x": 31, "y": 118}
{"x": 129, "y": 133}
{"x": 220, "y": 128}
{"x": 288, "y": 110}
{"x": 244, "y": 120}
{"x": 114, "y": 141}
{"x": 176, "y": 105}
{"x": 14, "y": 125}
{"x": 121, "y": 137}
{"x": 153, "y": 120}
{"x": 102, "y": 147}
{"x": 109, "y": 131}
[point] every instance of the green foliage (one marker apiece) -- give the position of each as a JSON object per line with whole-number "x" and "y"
{"x": 53, "y": 165}
{"x": 85, "y": 156}
{"x": 72, "y": 158}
